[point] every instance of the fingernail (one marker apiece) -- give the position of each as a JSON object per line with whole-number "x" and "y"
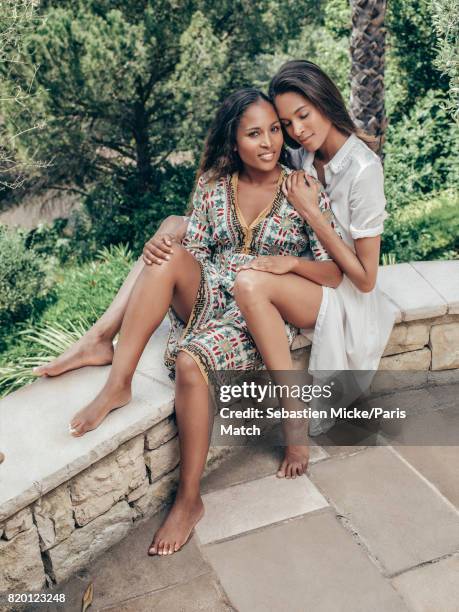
{"x": 167, "y": 257}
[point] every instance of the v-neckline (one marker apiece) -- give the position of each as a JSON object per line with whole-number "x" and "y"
{"x": 264, "y": 213}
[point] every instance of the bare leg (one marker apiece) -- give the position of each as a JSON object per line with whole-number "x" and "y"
{"x": 95, "y": 347}
{"x": 194, "y": 426}
{"x": 267, "y": 300}
{"x": 175, "y": 282}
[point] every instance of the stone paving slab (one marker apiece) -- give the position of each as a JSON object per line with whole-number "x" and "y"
{"x": 202, "y": 594}
{"x": 436, "y": 428}
{"x": 40, "y": 452}
{"x": 446, "y": 396}
{"x": 254, "y": 504}
{"x": 415, "y": 297}
{"x": 401, "y": 518}
{"x": 344, "y": 438}
{"x": 431, "y": 588}
{"x": 307, "y": 564}
{"x": 443, "y": 276}
{"x": 250, "y": 462}
{"x": 439, "y": 464}
{"x": 126, "y": 571}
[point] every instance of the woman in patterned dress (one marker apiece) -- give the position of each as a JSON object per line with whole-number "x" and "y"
{"x": 239, "y": 214}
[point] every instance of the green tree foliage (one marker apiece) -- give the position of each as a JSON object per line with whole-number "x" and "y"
{"x": 446, "y": 20}
{"x": 413, "y": 51}
{"x": 127, "y": 91}
{"x": 421, "y": 152}
{"x": 120, "y": 83}
{"x": 17, "y": 19}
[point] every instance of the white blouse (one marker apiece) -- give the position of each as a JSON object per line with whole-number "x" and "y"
{"x": 354, "y": 182}
{"x": 352, "y": 327}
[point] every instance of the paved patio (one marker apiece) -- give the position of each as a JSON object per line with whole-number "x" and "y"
{"x": 369, "y": 528}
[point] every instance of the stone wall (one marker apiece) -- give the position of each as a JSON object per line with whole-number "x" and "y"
{"x": 68, "y": 527}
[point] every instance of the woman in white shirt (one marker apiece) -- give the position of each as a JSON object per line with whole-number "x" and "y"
{"x": 354, "y": 321}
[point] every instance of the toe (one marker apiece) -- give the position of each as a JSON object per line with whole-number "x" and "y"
{"x": 73, "y": 430}
{"x": 75, "y": 422}
{"x": 282, "y": 470}
{"x": 80, "y": 430}
{"x": 153, "y": 550}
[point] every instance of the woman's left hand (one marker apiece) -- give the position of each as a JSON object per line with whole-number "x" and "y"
{"x": 302, "y": 191}
{"x": 276, "y": 264}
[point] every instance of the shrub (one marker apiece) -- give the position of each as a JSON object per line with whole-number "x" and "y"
{"x": 50, "y": 239}
{"x": 83, "y": 293}
{"x": 425, "y": 229}
{"x": 86, "y": 290}
{"x": 24, "y": 286}
{"x": 421, "y": 152}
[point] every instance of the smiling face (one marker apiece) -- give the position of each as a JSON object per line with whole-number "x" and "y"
{"x": 259, "y": 137}
{"x": 302, "y": 121}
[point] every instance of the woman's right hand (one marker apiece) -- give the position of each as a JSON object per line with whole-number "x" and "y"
{"x": 158, "y": 249}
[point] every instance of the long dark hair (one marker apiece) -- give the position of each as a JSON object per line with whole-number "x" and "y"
{"x": 219, "y": 157}
{"x": 308, "y": 80}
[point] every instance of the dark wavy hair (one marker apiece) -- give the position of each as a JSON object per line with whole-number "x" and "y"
{"x": 308, "y": 80}
{"x": 219, "y": 157}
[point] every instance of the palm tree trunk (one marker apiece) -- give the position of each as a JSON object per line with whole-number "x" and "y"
{"x": 367, "y": 68}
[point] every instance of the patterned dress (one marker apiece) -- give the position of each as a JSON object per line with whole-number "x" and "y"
{"x": 216, "y": 334}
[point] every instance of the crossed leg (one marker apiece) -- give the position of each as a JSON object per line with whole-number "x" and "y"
{"x": 175, "y": 283}
{"x": 267, "y": 300}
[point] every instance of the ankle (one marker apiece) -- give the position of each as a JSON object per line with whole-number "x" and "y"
{"x": 99, "y": 333}
{"x": 119, "y": 384}
{"x": 188, "y": 495}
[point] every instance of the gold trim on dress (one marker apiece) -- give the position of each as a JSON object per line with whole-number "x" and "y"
{"x": 248, "y": 229}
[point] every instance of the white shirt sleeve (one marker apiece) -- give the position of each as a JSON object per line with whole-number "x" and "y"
{"x": 367, "y": 202}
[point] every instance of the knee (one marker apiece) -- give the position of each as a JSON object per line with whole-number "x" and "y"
{"x": 176, "y": 259}
{"x": 187, "y": 370}
{"x": 247, "y": 286}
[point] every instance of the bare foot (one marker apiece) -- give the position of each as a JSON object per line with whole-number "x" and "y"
{"x": 177, "y": 528}
{"x": 295, "y": 462}
{"x": 88, "y": 350}
{"x": 92, "y": 415}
